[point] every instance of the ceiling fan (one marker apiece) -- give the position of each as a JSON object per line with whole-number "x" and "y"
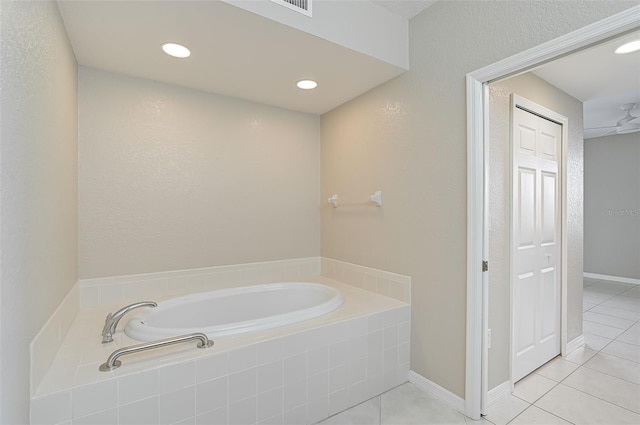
{"x": 625, "y": 124}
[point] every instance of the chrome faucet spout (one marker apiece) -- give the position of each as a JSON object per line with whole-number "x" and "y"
{"x": 111, "y": 322}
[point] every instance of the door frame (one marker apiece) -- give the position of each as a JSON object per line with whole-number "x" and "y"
{"x": 477, "y": 128}
{"x": 541, "y": 111}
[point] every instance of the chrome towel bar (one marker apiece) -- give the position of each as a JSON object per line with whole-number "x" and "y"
{"x": 113, "y": 362}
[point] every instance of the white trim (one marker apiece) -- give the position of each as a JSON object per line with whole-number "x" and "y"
{"x": 612, "y": 278}
{"x": 436, "y": 390}
{"x": 525, "y": 61}
{"x": 521, "y": 62}
{"x": 475, "y": 254}
{"x": 574, "y": 344}
{"x": 498, "y": 392}
{"x": 486, "y": 276}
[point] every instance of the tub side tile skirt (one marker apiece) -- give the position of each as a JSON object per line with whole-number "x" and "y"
{"x": 351, "y": 365}
{"x": 300, "y": 375}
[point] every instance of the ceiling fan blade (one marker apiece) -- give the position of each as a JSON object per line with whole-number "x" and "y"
{"x": 599, "y": 133}
{"x": 601, "y": 128}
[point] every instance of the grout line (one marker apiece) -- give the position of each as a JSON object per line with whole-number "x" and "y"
{"x": 380, "y": 410}
{"x": 604, "y": 324}
{"x": 602, "y": 399}
{"x": 614, "y": 355}
{"x": 611, "y": 315}
{"x": 608, "y": 374}
{"x": 545, "y": 393}
{"x": 557, "y": 416}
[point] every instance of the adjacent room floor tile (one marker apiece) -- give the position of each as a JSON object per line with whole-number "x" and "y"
{"x": 601, "y": 330}
{"x": 631, "y": 335}
{"x": 532, "y": 387}
{"x": 592, "y": 298}
{"x": 608, "y": 288}
{"x": 614, "y": 390}
{"x": 505, "y": 409}
{"x": 616, "y": 312}
{"x": 605, "y": 319}
{"x": 624, "y": 303}
{"x": 595, "y": 342}
{"x": 536, "y": 416}
{"x": 588, "y": 281}
{"x": 581, "y": 355}
{"x": 633, "y": 292}
{"x": 615, "y": 366}
{"x": 580, "y": 408}
{"x": 557, "y": 369}
{"x": 623, "y": 350}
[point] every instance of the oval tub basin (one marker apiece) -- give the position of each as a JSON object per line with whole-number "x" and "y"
{"x": 234, "y": 311}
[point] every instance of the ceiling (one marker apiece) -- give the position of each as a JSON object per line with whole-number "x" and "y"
{"x": 601, "y": 79}
{"x": 405, "y": 8}
{"x": 234, "y": 52}
{"x": 241, "y": 54}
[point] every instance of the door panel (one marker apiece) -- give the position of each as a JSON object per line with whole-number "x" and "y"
{"x": 526, "y": 327}
{"x": 535, "y": 242}
{"x": 548, "y": 209}
{"x": 526, "y": 207}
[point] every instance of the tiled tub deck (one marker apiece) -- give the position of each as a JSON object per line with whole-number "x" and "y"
{"x": 296, "y": 374}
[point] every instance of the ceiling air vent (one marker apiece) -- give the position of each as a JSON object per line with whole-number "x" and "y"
{"x": 302, "y": 6}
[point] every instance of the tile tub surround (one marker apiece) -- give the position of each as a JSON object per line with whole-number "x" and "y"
{"x": 381, "y": 282}
{"x": 297, "y": 374}
{"x": 120, "y": 290}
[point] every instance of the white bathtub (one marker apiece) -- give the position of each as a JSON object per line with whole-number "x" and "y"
{"x": 235, "y": 311}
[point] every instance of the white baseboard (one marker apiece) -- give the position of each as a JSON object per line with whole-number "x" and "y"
{"x": 575, "y": 343}
{"x": 436, "y": 390}
{"x": 612, "y": 278}
{"x": 498, "y": 392}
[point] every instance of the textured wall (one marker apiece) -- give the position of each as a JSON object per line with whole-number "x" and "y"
{"x": 539, "y": 91}
{"x": 172, "y": 178}
{"x": 38, "y": 196}
{"x": 408, "y": 139}
{"x": 612, "y": 205}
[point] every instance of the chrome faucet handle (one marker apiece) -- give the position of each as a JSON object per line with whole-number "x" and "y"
{"x": 112, "y": 319}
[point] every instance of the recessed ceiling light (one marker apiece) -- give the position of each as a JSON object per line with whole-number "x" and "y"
{"x": 176, "y": 50}
{"x": 632, "y": 46}
{"x": 307, "y": 84}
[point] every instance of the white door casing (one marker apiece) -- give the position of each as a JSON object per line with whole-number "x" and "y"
{"x": 535, "y": 240}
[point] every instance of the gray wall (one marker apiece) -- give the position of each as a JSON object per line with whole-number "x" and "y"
{"x": 542, "y": 93}
{"x": 172, "y": 178}
{"x": 612, "y": 205}
{"x": 38, "y": 174}
{"x": 408, "y": 138}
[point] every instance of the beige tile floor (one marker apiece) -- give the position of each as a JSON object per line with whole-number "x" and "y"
{"x": 596, "y": 384}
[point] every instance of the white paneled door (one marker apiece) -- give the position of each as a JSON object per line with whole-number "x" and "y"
{"x": 535, "y": 271}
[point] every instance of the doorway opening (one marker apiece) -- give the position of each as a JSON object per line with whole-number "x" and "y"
{"x": 477, "y": 181}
